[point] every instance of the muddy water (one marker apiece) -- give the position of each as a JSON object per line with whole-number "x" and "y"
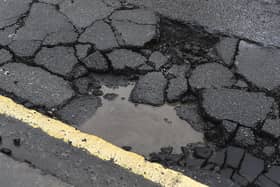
{"x": 145, "y": 128}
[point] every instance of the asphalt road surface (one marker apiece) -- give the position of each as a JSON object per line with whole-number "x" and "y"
{"x": 190, "y": 84}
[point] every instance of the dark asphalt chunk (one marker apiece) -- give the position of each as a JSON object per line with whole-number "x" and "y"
{"x": 178, "y": 70}
{"x": 272, "y": 127}
{"x": 34, "y": 84}
{"x": 274, "y": 174}
{"x": 5, "y": 56}
{"x": 158, "y": 59}
{"x": 59, "y": 159}
{"x": 244, "y": 137}
{"x": 212, "y": 75}
{"x": 82, "y": 50}
{"x": 218, "y": 158}
{"x": 79, "y": 110}
{"x": 150, "y": 89}
{"x": 242, "y": 181}
{"x": 10, "y": 11}
{"x": 263, "y": 181}
{"x": 96, "y": 62}
{"x": 101, "y": 35}
{"x": 60, "y": 60}
{"x": 89, "y": 10}
{"x": 226, "y": 49}
{"x": 124, "y": 60}
{"x": 135, "y": 27}
{"x": 85, "y": 85}
{"x": 42, "y": 20}
{"x": 234, "y": 156}
{"x": 246, "y": 108}
{"x": 176, "y": 89}
{"x": 189, "y": 112}
{"x": 259, "y": 65}
{"x": 229, "y": 126}
{"x": 251, "y": 167}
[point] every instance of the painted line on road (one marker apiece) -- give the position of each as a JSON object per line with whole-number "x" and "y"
{"x": 96, "y": 146}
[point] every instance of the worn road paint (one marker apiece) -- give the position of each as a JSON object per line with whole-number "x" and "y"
{"x": 97, "y": 146}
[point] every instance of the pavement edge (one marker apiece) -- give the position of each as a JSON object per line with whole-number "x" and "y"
{"x": 96, "y": 146}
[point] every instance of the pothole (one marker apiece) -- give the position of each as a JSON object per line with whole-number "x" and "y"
{"x": 143, "y": 127}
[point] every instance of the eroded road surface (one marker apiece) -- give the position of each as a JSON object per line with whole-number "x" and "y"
{"x": 192, "y": 85}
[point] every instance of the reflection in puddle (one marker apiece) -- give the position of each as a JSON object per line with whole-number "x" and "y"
{"x": 145, "y": 128}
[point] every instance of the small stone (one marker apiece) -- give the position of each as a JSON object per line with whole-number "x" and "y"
{"x": 211, "y": 75}
{"x": 110, "y": 96}
{"x": 158, "y": 59}
{"x": 272, "y": 127}
{"x": 127, "y": 148}
{"x": 6, "y": 151}
{"x": 251, "y": 167}
{"x": 202, "y": 152}
{"x": 101, "y": 35}
{"x": 96, "y": 62}
{"x": 125, "y": 60}
{"x": 244, "y": 137}
{"x": 226, "y": 49}
{"x": 268, "y": 150}
{"x": 234, "y": 156}
{"x": 150, "y": 89}
{"x": 17, "y": 142}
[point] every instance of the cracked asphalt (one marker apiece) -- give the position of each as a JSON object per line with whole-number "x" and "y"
{"x": 192, "y": 85}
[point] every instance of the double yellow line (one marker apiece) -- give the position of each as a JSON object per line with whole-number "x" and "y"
{"x": 96, "y": 146}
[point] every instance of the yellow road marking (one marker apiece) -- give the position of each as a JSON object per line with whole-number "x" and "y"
{"x": 97, "y": 146}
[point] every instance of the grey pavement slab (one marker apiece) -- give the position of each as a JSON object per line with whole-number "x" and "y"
{"x": 34, "y": 84}
{"x": 258, "y": 65}
{"x": 256, "y": 20}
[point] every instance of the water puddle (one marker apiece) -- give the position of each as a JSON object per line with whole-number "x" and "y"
{"x": 145, "y": 128}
